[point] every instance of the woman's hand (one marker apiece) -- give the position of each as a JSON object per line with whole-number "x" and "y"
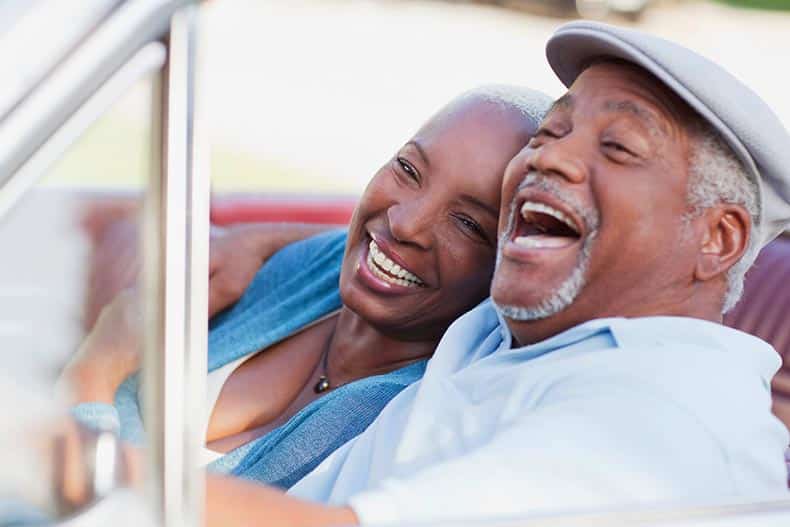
{"x": 238, "y": 251}
{"x": 110, "y": 352}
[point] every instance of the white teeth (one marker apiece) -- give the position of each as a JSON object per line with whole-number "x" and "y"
{"x": 379, "y": 262}
{"x": 529, "y": 242}
{"x": 533, "y": 206}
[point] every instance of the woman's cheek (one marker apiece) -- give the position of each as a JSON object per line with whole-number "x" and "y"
{"x": 452, "y": 250}
{"x": 466, "y": 264}
{"x": 377, "y": 196}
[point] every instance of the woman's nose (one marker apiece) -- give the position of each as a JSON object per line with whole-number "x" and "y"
{"x": 561, "y": 157}
{"x": 410, "y": 222}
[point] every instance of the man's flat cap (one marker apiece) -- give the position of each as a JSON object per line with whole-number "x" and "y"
{"x": 743, "y": 119}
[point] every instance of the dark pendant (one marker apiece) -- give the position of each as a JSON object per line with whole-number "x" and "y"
{"x": 322, "y": 385}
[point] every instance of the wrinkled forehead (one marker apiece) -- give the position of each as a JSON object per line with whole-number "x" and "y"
{"x": 620, "y": 87}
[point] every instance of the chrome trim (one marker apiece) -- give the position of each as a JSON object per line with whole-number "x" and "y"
{"x": 105, "y": 477}
{"x": 31, "y": 123}
{"x": 175, "y": 353}
{"x": 152, "y": 244}
{"x": 25, "y": 22}
{"x": 197, "y": 272}
{"x": 145, "y": 62}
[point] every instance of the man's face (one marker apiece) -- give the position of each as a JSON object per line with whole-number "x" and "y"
{"x": 593, "y": 209}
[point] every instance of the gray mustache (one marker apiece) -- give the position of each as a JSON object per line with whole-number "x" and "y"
{"x": 536, "y": 180}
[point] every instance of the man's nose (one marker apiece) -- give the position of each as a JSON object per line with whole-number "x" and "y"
{"x": 561, "y": 157}
{"x": 411, "y": 222}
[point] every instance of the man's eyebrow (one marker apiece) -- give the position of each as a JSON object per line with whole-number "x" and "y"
{"x": 565, "y": 102}
{"x": 629, "y": 107}
{"x": 479, "y": 204}
{"x": 420, "y": 151}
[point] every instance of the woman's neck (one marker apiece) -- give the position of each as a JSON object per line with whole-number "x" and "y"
{"x": 357, "y": 350}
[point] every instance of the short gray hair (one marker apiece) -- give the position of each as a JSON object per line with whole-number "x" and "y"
{"x": 716, "y": 175}
{"x": 531, "y": 103}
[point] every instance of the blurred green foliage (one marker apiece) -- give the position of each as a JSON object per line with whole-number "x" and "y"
{"x": 760, "y": 4}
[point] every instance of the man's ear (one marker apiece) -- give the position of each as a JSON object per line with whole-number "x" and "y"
{"x": 725, "y": 239}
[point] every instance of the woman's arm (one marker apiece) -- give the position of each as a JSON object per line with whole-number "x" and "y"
{"x": 236, "y": 254}
{"x": 110, "y": 352}
{"x": 235, "y": 502}
{"x": 238, "y": 251}
{"x": 108, "y": 355}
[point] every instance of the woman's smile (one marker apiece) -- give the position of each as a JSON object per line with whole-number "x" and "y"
{"x": 383, "y": 267}
{"x": 381, "y": 273}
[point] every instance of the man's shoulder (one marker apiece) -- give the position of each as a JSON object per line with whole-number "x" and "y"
{"x": 689, "y": 329}
{"x": 718, "y": 374}
{"x": 696, "y": 343}
{"x": 695, "y": 364}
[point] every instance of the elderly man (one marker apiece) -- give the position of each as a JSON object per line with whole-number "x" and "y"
{"x": 599, "y": 374}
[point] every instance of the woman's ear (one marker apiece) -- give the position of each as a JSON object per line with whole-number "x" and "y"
{"x": 725, "y": 239}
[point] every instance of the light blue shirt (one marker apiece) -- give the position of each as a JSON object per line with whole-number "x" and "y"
{"x": 609, "y": 413}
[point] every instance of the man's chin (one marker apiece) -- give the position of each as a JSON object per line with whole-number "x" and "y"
{"x": 526, "y": 313}
{"x": 522, "y": 313}
{"x": 520, "y": 307}
{"x": 523, "y": 294}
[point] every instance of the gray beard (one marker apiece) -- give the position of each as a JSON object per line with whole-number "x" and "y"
{"x": 561, "y": 298}
{"x": 567, "y": 292}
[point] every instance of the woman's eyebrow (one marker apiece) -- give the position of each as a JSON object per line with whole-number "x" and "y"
{"x": 480, "y": 205}
{"x": 420, "y": 151}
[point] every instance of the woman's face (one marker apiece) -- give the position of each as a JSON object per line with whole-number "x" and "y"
{"x": 422, "y": 241}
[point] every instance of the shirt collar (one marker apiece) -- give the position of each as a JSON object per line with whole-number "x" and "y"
{"x": 658, "y": 331}
{"x": 560, "y": 340}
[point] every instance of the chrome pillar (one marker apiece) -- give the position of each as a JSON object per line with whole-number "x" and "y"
{"x": 175, "y": 241}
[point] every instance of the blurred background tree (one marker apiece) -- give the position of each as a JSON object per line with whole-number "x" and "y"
{"x": 760, "y": 4}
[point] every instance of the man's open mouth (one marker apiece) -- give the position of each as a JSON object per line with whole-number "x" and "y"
{"x": 542, "y": 226}
{"x": 385, "y": 269}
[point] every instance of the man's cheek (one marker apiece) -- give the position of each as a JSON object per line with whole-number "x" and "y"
{"x": 509, "y": 185}
{"x": 512, "y": 178}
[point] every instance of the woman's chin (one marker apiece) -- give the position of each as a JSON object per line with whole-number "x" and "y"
{"x": 381, "y": 304}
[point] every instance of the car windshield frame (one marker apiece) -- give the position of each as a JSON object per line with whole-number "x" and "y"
{"x": 118, "y": 43}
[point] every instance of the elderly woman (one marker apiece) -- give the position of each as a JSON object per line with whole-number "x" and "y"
{"x": 334, "y": 326}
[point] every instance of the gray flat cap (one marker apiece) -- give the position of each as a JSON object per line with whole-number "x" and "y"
{"x": 743, "y": 119}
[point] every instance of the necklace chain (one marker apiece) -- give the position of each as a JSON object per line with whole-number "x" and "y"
{"x": 323, "y": 383}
